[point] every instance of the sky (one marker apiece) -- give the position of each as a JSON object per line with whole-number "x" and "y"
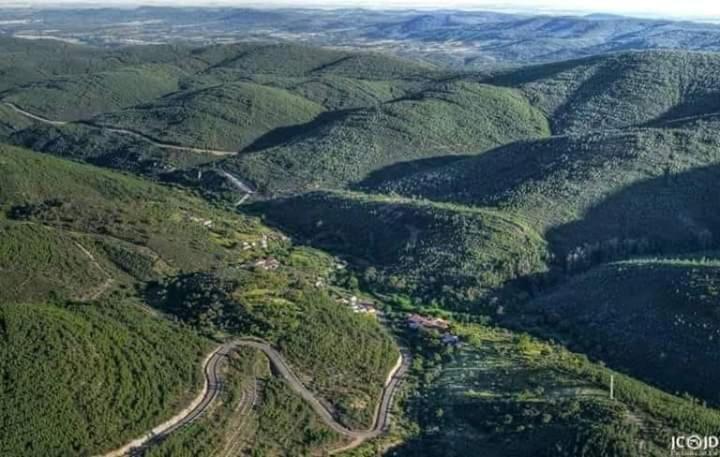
{"x": 694, "y": 9}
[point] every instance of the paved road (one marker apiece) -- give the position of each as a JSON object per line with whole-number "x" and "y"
{"x": 141, "y": 136}
{"x": 213, "y": 385}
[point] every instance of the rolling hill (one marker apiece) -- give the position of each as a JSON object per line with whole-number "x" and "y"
{"x": 86, "y": 240}
{"x": 664, "y": 332}
{"x": 75, "y": 97}
{"x": 441, "y": 255}
{"x": 228, "y": 117}
{"x": 620, "y": 90}
{"x": 529, "y": 198}
{"x": 342, "y": 147}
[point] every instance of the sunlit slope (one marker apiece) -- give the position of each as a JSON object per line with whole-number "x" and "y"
{"x": 342, "y": 147}
{"x": 621, "y": 90}
{"x": 227, "y": 117}
{"x": 59, "y": 362}
{"x": 77, "y": 97}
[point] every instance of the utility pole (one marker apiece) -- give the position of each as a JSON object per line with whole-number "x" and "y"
{"x": 612, "y": 387}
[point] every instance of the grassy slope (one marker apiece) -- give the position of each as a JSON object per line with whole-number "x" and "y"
{"x": 343, "y": 147}
{"x": 437, "y": 253}
{"x": 664, "y": 331}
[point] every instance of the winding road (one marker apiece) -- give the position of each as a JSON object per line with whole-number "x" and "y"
{"x": 212, "y": 384}
{"x": 240, "y": 185}
{"x": 212, "y": 387}
{"x": 134, "y": 134}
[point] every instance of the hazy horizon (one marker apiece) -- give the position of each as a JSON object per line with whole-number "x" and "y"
{"x": 697, "y": 10}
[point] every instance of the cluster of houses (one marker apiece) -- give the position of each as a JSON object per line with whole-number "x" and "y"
{"x": 247, "y": 245}
{"x": 360, "y": 307}
{"x": 418, "y": 322}
{"x": 267, "y": 263}
{"x": 205, "y": 222}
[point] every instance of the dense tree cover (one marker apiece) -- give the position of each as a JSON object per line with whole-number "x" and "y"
{"x": 342, "y": 356}
{"x": 343, "y": 114}
{"x": 440, "y": 254}
{"x": 73, "y": 231}
{"x": 620, "y": 90}
{"x": 227, "y": 117}
{"x": 343, "y": 147}
{"x": 184, "y": 231}
{"x": 598, "y": 197}
{"x": 76, "y": 97}
{"x": 79, "y": 379}
{"x": 632, "y": 170}
{"x": 664, "y": 332}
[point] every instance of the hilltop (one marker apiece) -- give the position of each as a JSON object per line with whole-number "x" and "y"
{"x": 342, "y": 147}
{"x": 620, "y": 90}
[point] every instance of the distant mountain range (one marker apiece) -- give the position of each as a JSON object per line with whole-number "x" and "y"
{"x": 461, "y": 39}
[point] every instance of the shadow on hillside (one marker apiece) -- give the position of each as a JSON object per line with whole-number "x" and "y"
{"x": 699, "y": 107}
{"x": 542, "y": 71}
{"x": 281, "y": 135}
{"x": 403, "y": 169}
{"x": 675, "y": 213}
{"x": 471, "y": 179}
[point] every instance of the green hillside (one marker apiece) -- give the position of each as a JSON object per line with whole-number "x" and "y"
{"x": 342, "y": 147}
{"x": 344, "y": 92}
{"x": 343, "y": 356}
{"x": 83, "y": 96}
{"x": 58, "y": 362}
{"x": 298, "y": 60}
{"x": 23, "y": 61}
{"x": 664, "y": 332}
{"x": 228, "y": 117}
{"x": 440, "y": 254}
{"x": 11, "y": 121}
{"x": 73, "y": 232}
{"x": 530, "y": 199}
{"x": 651, "y": 187}
{"x": 620, "y": 90}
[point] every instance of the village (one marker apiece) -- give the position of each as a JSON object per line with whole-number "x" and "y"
{"x": 413, "y": 321}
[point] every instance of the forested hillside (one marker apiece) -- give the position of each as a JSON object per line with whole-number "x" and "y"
{"x": 315, "y": 199}
{"x": 85, "y": 255}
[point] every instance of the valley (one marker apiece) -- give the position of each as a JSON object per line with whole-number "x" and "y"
{"x": 274, "y": 249}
